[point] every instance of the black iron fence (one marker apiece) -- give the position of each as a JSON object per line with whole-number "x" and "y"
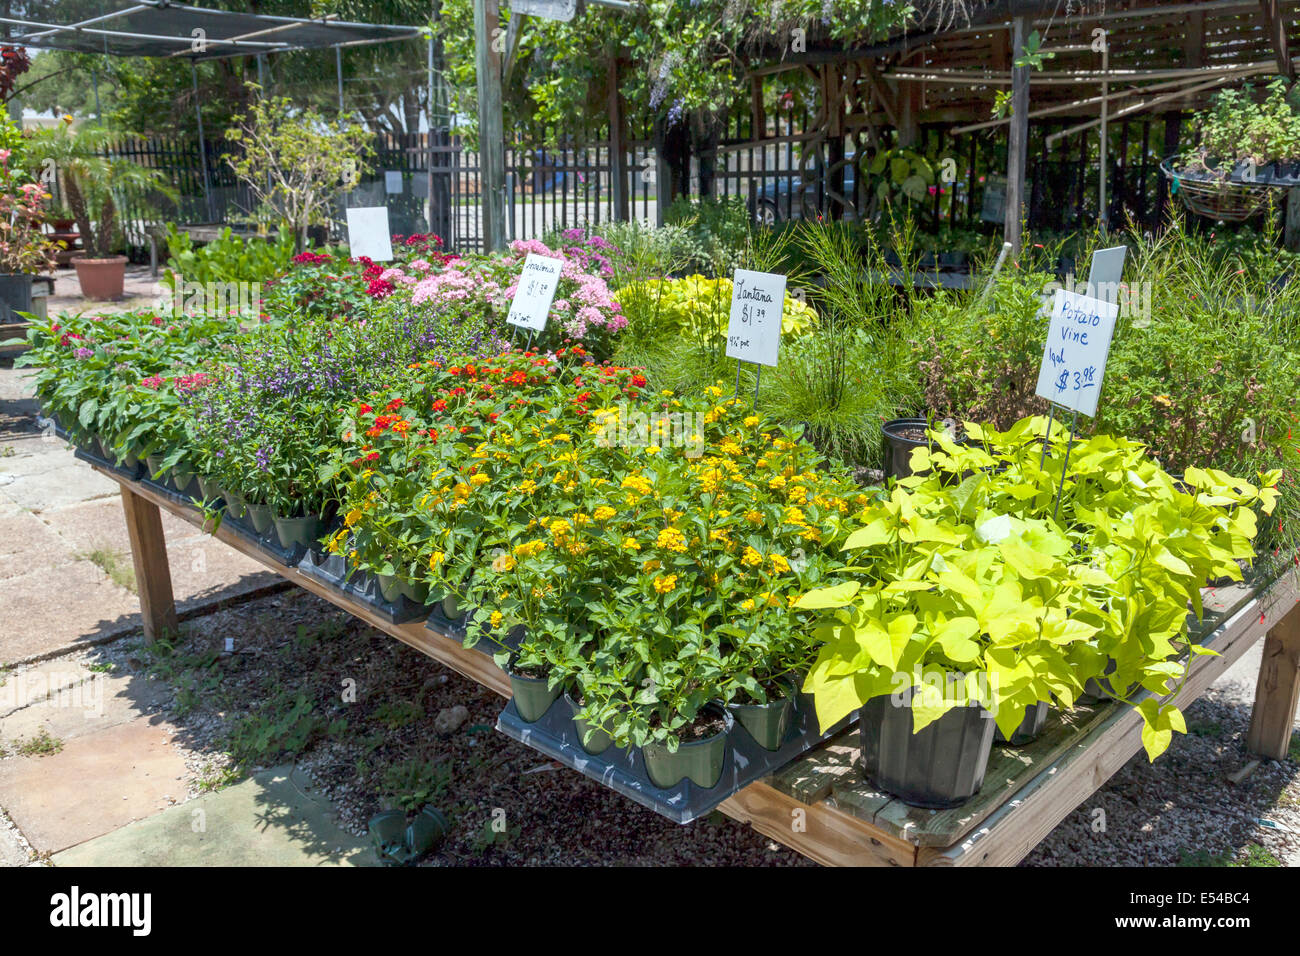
{"x": 782, "y": 169}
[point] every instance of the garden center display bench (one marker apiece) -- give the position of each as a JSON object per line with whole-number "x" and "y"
{"x": 819, "y": 804}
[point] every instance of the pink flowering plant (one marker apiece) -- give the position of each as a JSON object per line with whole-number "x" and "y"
{"x": 584, "y": 311}
{"x": 24, "y": 248}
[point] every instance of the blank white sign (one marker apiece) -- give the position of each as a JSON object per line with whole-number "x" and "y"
{"x": 532, "y": 302}
{"x": 368, "y": 233}
{"x": 393, "y": 181}
{"x": 754, "y": 329}
{"x": 1078, "y": 342}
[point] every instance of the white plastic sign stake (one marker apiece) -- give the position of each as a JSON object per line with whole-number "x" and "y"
{"x": 754, "y": 329}
{"x": 1078, "y": 342}
{"x": 368, "y": 233}
{"x": 536, "y": 289}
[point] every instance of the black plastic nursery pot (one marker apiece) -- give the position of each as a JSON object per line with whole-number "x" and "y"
{"x": 599, "y": 741}
{"x": 389, "y": 586}
{"x": 700, "y": 761}
{"x": 903, "y": 435}
{"x": 532, "y": 696}
{"x": 297, "y": 530}
{"x": 940, "y": 766}
{"x": 259, "y": 516}
{"x": 1029, "y": 729}
{"x": 767, "y": 723}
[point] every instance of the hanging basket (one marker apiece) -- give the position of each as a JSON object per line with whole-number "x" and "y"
{"x": 1218, "y": 199}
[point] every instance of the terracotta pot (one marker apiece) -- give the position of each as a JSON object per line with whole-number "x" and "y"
{"x": 101, "y": 278}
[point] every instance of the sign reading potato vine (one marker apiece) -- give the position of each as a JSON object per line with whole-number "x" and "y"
{"x": 532, "y": 302}
{"x": 754, "y": 330}
{"x": 1078, "y": 342}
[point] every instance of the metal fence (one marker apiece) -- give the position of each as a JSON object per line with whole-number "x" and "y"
{"x": 781, "y": 169}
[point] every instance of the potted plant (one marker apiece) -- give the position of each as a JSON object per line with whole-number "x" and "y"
{"x": 25, "y": 251}
{"x": 90, "y": 182}
{"x": 972, "y": 594}
{"x": 1247, "y": 144}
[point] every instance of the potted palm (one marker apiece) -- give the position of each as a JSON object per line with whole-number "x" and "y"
{"x": 91, "y": 181}
{"x": 24, "y": 249}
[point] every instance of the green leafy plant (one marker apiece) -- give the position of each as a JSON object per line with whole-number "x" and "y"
{"x": 92, "y": 180}
{"x": 296, "y": 161}
{"x": 966, "y": 588}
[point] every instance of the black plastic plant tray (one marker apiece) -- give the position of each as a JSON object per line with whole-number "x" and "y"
{"x": 364, "y": 588}
{"x": 94, "y": 458}
{"x": 623, "y": 769}
{"x": 444, "y": 626}
{"x": 268, "y": 543}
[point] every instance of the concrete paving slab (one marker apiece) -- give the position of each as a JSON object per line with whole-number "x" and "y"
{"x": 55, "y": 487}
{"x": 271, "y": 819}
{"x": 92, "y": 524}
{"x": 62, "y": 609}
{"x": 12, "y": 853}
{"x": 37, "y": 682}
{"x": 96, "y": 784}
{"x": 29, "y": 545}
{"x": 88, "y": 706}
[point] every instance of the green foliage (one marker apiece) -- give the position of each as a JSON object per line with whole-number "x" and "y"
{"x": 966, "y": 588}
{"x": 295, "y": 161}
{"x": 228, "y": 258}
{"x": 1236, "y": 128}
{"x": 286, "y": 724}
{"x": 411, "y": 784}
{"x": 92, "y": 183}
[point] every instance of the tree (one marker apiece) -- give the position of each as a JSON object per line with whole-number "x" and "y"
{"x": 295, "y": 161}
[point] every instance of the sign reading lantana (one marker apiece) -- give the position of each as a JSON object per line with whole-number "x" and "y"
{"x": 754, "y": 329}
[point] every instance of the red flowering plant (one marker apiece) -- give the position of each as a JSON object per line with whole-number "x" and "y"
{"x": 409, "y": 461}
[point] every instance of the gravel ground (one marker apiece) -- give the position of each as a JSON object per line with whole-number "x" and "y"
{"x": 376, "y": 723}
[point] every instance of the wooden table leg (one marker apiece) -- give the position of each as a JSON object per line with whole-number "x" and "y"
{"x": 153, "y": 578}
{"x": 1278, "y": 691}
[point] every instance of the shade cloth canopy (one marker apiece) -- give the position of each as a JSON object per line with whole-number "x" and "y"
{"x": 164, "y": 28}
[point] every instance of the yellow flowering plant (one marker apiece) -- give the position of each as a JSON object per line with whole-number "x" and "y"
{"x": 662, "y": 565}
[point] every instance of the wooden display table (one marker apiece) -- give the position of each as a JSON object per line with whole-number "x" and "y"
{"x": 820, "y": 805}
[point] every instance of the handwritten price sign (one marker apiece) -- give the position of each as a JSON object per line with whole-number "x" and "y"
{"x": 1078, "y": 342}
{"x": 532, "y": 302}
{"x": 754, "y": 330}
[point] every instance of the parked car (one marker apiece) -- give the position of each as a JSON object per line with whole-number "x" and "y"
{"x": 779, "y": 196}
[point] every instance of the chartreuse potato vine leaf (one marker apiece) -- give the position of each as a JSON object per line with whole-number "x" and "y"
{"x": 966, "y": 589}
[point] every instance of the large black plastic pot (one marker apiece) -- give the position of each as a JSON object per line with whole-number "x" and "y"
{"x": 700, "y": 760}
{"x": 15, "y": 295}
{"x": 898, "y": 464}
{"x": 940, "y": 766}
{"x": 1029, "y": 729}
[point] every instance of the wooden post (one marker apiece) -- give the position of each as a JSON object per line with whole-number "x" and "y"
{"x": 491, "y": 124}
{"x": 1276, "y": 26}
{"x": 617, "y": 144}
{"x": 1017, "y": 138}
{"x": 1278, "y": 691}
{"x": 153, "y": 578}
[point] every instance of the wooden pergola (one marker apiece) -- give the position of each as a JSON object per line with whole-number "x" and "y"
{"x": 1110, "y": 59}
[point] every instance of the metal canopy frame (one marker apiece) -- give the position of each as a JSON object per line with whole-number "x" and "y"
{"x": 225, "y": 33}
{"x": 202, "y": 33}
